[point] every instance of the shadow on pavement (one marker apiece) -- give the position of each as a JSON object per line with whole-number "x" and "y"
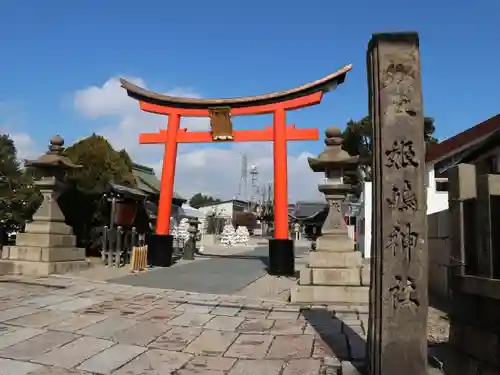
{"x": 437, "y": 354}
{"x": 341, "y": 340}
{"x": 346, "y": 344}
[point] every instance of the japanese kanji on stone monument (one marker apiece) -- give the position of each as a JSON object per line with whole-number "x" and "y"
{"x": 397, "y": 340}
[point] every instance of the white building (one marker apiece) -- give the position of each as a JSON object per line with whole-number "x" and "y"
{"x": 479, "y": 145}
{"x": 225, "y": 209}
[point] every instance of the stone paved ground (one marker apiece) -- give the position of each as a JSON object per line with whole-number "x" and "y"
{"x": 63, "y": 326}
{"x": 204, "y": 276}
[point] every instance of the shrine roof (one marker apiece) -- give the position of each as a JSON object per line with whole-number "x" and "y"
{"x": 147, "y": 181}
{"x": 471, "y": 153}
{"x": 307, "y": 209}
{"x": 127, "y": 191}
{"x": 324, "y": 84}
{"x": 462, "y": 140}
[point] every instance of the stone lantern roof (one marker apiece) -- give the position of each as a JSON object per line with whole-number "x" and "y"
{"x": 53, "y": 158}
{"x": 333, "y": 156}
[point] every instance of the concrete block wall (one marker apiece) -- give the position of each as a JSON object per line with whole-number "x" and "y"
{"x": 438, "y": 237}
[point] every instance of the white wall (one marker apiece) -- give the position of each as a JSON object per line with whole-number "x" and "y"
{"x": 350, "y": 231}
{"x": 224, "y": 209}
{"x": 437, "y": 201}
{"x": 364, "y": 222}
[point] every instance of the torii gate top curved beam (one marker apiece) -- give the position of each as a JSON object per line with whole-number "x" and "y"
{"x": 321, "y": 85}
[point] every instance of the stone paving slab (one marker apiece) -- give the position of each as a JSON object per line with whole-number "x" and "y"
{"x": 62, "y": 326}
{"x": 240, "y": 270}
{"x": 204, "y": 277}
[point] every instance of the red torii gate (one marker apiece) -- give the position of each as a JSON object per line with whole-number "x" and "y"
{"x": 220, "y": 112}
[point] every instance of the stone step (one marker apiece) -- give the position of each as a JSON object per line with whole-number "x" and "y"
{"x": 45, "y": 240}
{"x": 43, "y": 254}
{"x": 320, "y": 259}
{"x": 334, "y": 243}
{"x": 330, "y": 276}
{"x": 19, "y": 267}
{"x": 322, "y": 294}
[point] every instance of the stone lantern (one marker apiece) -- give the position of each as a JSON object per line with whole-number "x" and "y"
{"x": 337, "y": 165}
{"x": 190, "y": 246}
{"x": 47, "y": 245}
{"x": 333, "y": 273}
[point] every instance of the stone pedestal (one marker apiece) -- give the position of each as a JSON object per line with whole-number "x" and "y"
{"x": 48, "y": 245}
{"x": 334, "y": 274}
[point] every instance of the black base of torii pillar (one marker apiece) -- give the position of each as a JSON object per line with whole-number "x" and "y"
{"x": 281, "y": 257}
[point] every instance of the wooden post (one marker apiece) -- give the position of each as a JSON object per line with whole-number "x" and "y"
{"x": 397, "y": 339}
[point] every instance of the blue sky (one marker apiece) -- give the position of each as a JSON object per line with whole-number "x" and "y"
{"x": 52, "y": 49}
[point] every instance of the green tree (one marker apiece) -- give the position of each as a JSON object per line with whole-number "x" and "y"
{"x": 126, "y": 158}
{"x": 200, "y": 199}
{"x": 83, "y": 204}
{"x": 18, "y": 197}
{"x": 101, "y": 164}
{"x": 358, "y": 136}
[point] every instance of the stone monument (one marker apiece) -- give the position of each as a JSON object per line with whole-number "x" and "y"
{"x": 335, "y": 268}
{"x": 47, "y": 245}
{"x": 397, "y": 333}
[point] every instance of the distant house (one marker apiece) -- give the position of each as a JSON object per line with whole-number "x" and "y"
{"x": 303, "y": 210}
{"x": 190, "y": 212}
{"x": 479, "y": 145}
{"x": 225, "y": 209}
{"x": 311, "y": 215}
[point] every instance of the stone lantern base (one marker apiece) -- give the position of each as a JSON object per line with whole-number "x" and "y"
{"x": 336, "y": 274}
{"x": 47, "y": 245}
{"x": 44, "y": 249}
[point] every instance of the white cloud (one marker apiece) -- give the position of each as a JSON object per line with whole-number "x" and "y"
{"x": 209, "y": 169}
{"x": 25, "y": 145}
{"x": 126, "y": 120}
{"x": 10, "y": 119}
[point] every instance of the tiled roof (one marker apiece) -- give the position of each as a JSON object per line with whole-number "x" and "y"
{"x": 306, "y": 208}
{"x": 469, "y": 136}
{"x": 147, "y": 181}
{"x": 127, "y": 191}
